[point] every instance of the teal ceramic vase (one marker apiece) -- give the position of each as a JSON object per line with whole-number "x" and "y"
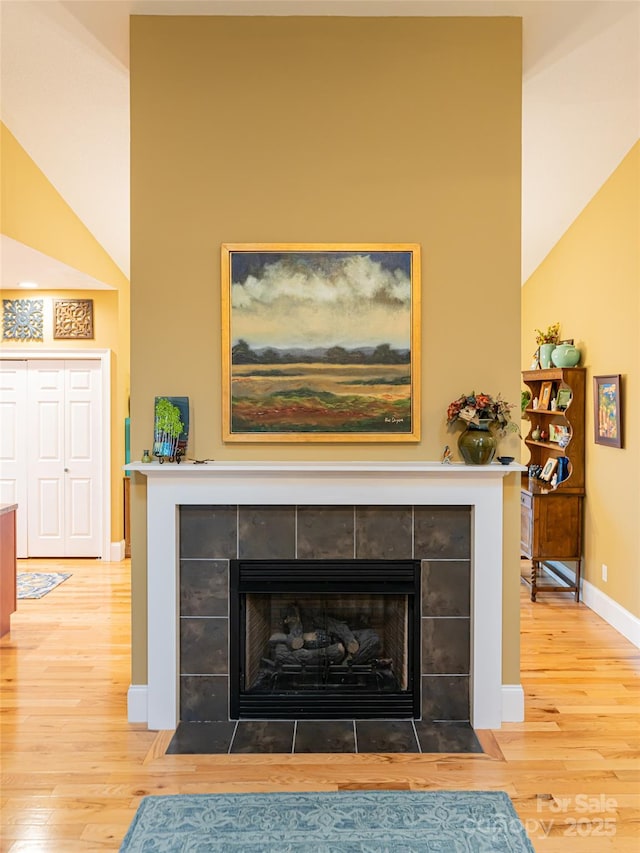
{"x": 545, "y": 355}
{"x": 477, "y": 445}
{"x": 565, "y": 355}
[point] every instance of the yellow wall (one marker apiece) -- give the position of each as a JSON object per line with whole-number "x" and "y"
{"x": 590, "y": 282}
{"x": 325, "y": 130}
{"x": 34, "y": 213}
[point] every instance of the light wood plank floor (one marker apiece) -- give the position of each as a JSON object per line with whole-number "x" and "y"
{"x": 74, "y": 770}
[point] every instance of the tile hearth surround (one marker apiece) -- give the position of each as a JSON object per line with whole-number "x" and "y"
{"x": 212, "y": 535}
{"x": 330, "y": 736}
{"x": 323, "y": 484}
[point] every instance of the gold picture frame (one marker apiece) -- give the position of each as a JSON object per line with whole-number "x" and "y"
{"x": 320, "y": 342}
{"x": 545, "y": 395}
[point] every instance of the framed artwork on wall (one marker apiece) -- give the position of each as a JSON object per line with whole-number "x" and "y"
{"x": 321, "y": 342}
{"x": 607, "y": 406}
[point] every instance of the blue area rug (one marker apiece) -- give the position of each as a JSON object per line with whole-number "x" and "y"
{"x": 37, "y": 584}
{"x": 329, "y": 822}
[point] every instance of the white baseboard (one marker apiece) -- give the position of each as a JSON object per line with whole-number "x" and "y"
{"x": 614, "y": 614}
{"x": 116, "y": 554}
{"x": 512, "y": 703}
{"x": 137, "y": 703}
{"x": 624, "y": 622}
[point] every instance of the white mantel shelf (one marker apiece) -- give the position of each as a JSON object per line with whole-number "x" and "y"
{"x": 170, "y": 485}
{"x": 455, "y": 469}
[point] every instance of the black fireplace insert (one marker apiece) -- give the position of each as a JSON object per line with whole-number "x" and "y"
{"x": 324, "y": 639}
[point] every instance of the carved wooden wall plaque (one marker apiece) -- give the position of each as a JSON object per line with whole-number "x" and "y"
{"x": 72, "y": 318}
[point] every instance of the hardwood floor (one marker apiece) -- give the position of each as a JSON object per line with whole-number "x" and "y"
{"x": 74, "y": 770}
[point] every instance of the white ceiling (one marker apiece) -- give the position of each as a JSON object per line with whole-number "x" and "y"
{"x": 21, "y": 263}
{"x": 65, "y": 97}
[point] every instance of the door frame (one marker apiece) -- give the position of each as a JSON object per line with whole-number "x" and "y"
{"x": 104, "y": 357}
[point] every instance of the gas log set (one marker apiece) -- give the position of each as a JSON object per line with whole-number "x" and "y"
{"x": 317, "y": 648}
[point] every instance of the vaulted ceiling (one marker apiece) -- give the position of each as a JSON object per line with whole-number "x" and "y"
{"x": 65, "y": 97}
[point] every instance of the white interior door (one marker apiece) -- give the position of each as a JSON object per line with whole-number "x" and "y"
{"x": 13, "y": 445}
{"x": 83, "y": 464}
{"x": 64, "y": 458}
{"x": 45, "y": 468}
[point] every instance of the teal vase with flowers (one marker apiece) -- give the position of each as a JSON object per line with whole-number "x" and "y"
{"x": 547, "y": 342}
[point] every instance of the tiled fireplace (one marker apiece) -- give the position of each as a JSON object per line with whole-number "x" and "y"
{"x": 324, "y": 639}
{"x": 297, "y": 540}
{"x": 199, "y": 517}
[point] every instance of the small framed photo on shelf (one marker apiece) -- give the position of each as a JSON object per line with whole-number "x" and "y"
{"x": 545, "y": 395}
{"x": 549, "y": 469}
{"x": 563, "y": 399}
{"x": 535, "y": 364}
{"x": 607, "y": 404}
{"x": 559, "y": 434}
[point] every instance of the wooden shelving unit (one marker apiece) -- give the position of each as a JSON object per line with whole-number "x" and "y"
{"x": 551, "y": 513}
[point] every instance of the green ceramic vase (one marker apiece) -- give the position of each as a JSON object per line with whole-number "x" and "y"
{"x": 565, "y": 355}
{"x": 545, "y": 355}
{"x": 477, "y": 445}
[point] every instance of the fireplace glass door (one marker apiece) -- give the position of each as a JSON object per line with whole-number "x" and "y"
{"x": 324, "y": 640}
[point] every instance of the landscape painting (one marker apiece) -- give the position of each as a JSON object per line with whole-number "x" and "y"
{"x": 321, "y": 342}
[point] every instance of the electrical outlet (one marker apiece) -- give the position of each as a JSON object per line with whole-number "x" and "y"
{"x": 605, "y": 571}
